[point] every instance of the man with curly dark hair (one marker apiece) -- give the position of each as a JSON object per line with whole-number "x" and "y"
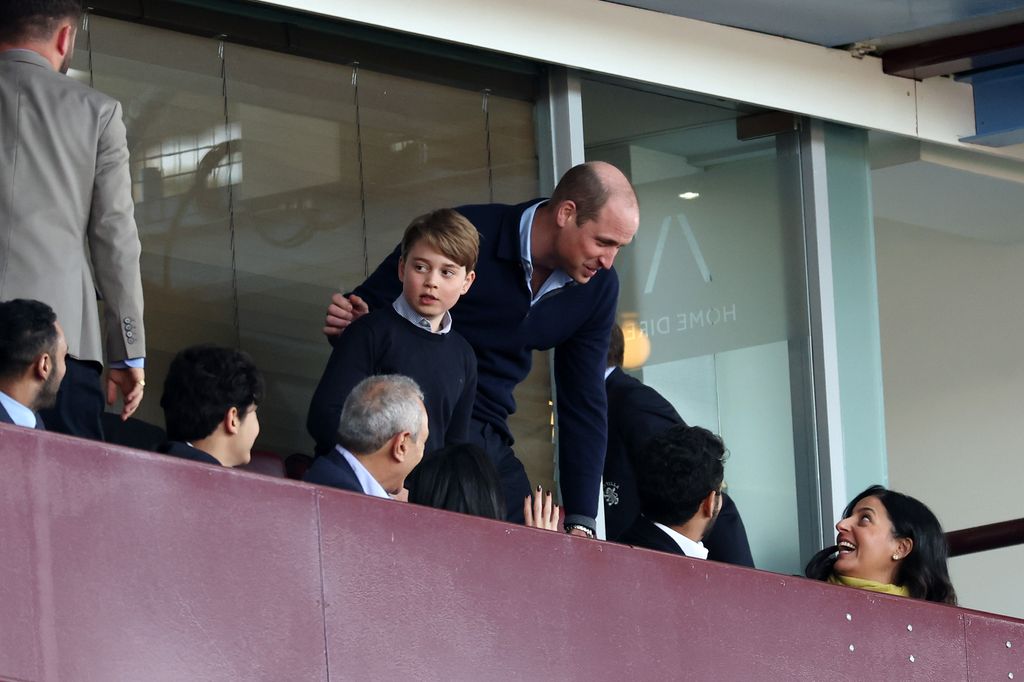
{"x": 679, "y": 481}
{"x": 210, "y": 399}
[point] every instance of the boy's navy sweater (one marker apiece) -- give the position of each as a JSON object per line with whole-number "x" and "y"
{"x": 496, "y": 318}
{"x": 384, "y": 342}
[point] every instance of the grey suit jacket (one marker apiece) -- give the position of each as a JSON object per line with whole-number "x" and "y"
{"x": 67, "y": 226}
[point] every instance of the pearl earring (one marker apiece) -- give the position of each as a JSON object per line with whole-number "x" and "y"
{"x": 895, "y": 557}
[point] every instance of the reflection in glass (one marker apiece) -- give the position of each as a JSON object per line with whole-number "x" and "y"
{"x": 263, "y": 182}
{"x": 173, "y": 109}
{"x": 712, "y": 291}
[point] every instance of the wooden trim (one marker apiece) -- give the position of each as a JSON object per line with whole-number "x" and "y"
{"x": 981, "y": 50}
{"x": 985, "y": 538}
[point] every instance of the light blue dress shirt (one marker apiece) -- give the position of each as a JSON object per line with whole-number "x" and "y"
{"x": 20, "y": 415}
{"x": 557, "y": 279}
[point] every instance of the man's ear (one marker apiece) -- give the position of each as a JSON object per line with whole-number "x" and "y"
{"x": 400, "y": 445}
{"x": 232, "y": 421}
{"x": 565, "y": 213}
{"x": 42, "y": 366}
{"x": 707, "y": 506}
{"x": 65, "y": 39}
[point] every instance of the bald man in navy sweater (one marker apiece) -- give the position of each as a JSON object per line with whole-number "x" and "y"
{"x": 544, "y": 280}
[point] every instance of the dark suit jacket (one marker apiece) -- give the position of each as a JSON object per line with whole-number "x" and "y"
{"x": 645, "y": 534}
{"x": 332, "y": 469}
{"x": 637, "y": 413}
{"x": 185, "y": 451}
{"x": 4, "y": 417}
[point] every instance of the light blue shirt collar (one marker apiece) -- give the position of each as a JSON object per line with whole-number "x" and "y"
{"x": 366, "y": 480}
{"x": 694, "y": 550}
{"x": 557, "y": 279}
{"x": 20, "y": 415}
{"x": 403, "y": 308}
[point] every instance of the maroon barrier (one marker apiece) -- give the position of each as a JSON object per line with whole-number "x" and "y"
{"x": 124, "y": 565}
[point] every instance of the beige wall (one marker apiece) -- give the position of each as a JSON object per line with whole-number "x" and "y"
{"x": 952, "y": 319}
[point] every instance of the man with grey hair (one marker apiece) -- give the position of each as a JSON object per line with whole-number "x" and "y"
{"x": 381, "y": 435}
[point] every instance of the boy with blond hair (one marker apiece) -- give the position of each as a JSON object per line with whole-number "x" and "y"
{"x": 413, "y": 336}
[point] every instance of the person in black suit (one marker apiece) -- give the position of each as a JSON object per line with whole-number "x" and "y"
{"x": 382, "y": 433}
{"x": 679, "y": 481}
{"x": 209, "y": 400}
{"x": 32, "y": 361}
{"x": 636, "y": 413}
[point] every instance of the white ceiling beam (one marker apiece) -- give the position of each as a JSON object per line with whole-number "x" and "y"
{"x": 646, "y": 46}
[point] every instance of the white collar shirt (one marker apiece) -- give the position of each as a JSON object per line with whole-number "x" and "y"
{"x": 694, "y": 550}
{"x": 405, "y": 310}
{"x": 366, "y": 480}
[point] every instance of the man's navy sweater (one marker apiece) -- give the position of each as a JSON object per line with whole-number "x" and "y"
{"x": 496, "y": 318}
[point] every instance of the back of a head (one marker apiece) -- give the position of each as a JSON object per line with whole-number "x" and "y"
{"x": 459, "y": 478}
{"x": 378, "y": 408}
{"x": 616, "y": 347}
{"x": 676, "y": 470}
{"x": 34, "y": 20}
{"x": 446, "y": 231}
{"x": 589, "y": 186}
{"x": 203, "y": 383}
{"x": 27, "y": 329}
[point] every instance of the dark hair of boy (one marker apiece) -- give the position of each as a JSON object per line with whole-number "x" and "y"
{"x": 203, "y": 383}
{"x": 678, "y": 469}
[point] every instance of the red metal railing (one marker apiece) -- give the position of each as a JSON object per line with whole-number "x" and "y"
{"x": 985, "y": 538}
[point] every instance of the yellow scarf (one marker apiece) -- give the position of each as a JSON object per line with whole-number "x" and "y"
{"x": 871, "y": 585}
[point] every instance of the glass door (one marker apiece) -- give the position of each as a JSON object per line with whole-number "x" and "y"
{"x": 713, "y": 297}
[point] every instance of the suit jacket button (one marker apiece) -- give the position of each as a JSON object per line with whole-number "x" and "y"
{"x": 128, "y": 334}
{"x": 131, "y": 340}
{"x": 127, "y": 320}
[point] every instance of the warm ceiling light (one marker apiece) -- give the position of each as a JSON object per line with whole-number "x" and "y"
{"x": 638, "y": 345}
{"x": 689, "y": 195}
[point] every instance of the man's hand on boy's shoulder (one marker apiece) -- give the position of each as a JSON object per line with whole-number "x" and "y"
{"x": 342, "y": 312}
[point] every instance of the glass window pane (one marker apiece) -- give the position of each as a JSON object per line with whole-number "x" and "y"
{"x": 423, "y": 148}
{"x": 713, "y": 288}
{"x": 298, "y": 222}
{"x": 170, "y": 88}
{"x": 259, "y": 183}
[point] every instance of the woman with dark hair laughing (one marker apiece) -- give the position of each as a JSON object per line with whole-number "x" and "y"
{"x": 887, "y": 542}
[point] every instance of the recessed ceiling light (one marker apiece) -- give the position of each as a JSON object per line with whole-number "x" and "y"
{"x": 689, "y": 195}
